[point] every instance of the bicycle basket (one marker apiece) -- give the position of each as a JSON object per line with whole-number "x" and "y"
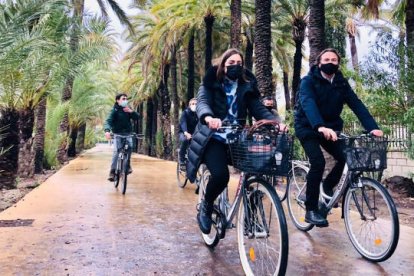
{"x": 262, "y": 154}
{"x": 366, "y": 153}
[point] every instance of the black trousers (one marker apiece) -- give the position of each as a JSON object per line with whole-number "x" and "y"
{"x": 317, "y": 167}
{"x": 215, "y": 158}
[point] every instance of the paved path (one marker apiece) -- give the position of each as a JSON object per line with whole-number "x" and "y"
{"x": 83, "y": 226}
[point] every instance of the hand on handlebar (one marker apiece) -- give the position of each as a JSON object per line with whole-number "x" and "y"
{"x": 328, "y": 133}
{"x": 213, "y": 123}
{"x": 377, "y": 132}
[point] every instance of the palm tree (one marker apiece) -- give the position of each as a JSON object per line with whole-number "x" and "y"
{"x": 235, "y": 29}
{"x": 316, "y": 28}
{"x": 292, "y": 16}
{"x": 262, "y": 47}
{"x": 78, "y": 13}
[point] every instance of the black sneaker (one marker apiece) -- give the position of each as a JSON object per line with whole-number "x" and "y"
{"x": 111, "y": 175}
{"x": 204, "y": 217}
{"x": 316, "y": 219}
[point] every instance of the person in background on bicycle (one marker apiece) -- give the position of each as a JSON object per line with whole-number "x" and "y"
{"x": 119, "y": 122}
{"x": 269, "y": 104}
{"x": 188, "y": 122}
{"x": 322, "y": 95}
{"x": 228, "y": 90}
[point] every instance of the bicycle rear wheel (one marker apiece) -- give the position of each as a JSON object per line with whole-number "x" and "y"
{"x": 262, "y": 231}
{"x": 296, "y": 197}
{"x": 212, "y": 239}
{"x": 371, "y": 220}
{"x": 181, "y": 176}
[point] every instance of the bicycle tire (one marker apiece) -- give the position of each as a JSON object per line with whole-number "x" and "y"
{"x": 296, "y": 197}
{"x": 118, "y": 171}
{"x": 124, "y": 173}
{"x": 359, "y": 217}
{"x": 212, "y": 239}
{"x": 263, "y": 242}
{"x": 181, "y": 176}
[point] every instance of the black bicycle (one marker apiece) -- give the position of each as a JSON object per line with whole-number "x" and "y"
{"x": 260, "y": 220}
{"x": 369, "y": 213}
{"x": 121, "y": 170}
{"x": 182, "y": 178}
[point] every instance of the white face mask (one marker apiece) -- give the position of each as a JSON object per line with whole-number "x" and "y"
{"x": 124, "y": 103}
{"x": 193, "y": 108}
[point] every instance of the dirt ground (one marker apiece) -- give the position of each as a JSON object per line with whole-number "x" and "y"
{"x": 400, "y": 193}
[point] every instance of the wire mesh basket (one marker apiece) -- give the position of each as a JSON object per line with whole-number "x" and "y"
{"x": 262, "y": 153}
{"x": 366, "y": 153}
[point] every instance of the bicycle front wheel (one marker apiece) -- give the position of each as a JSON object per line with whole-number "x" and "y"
{"x": 296, "y": 198}
{"x": 181, "y": 176}
{"x": 124, "y": 170}
{"x": 262, "y": 231}
{"x": 371, "y": 220}
{"x": 211, "y": 239}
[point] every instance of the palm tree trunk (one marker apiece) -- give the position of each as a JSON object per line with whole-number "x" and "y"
{"x": 248, "y": 55}
{"x": 209, "y": 21}
{"x": 316, "y": 29}
{"x": 286, "y": 88}
{"x": 39, "y": 138}
{"x": 165, "y": 116}
{"x": 80, "y": 141}
{"x": 409, "y": 25}
{"x": 155, "y": 125}
{"x": 67, "y": 91}
{"x": 354, "y": 53}
{"x": 26, "y": 153}
{"x": 174, "y": 95}
{"x": 8, "y": 160}
{"x": 262, "y": 47}
{"x": 297, "y": 66}
{"x": 235, "y": 29}
{"x": 72, "y": 141}
{"x": 148, "y": 117}
{"x": 191, "y": 68}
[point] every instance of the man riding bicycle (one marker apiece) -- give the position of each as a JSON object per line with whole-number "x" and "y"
{"x": 119, "y": 121}
{"x": 321, "y": 98}
{"x": 188, "y": 122}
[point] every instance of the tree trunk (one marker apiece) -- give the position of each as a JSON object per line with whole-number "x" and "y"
{"x": 72, "y": 141}
{"x": 191, "y": 68}
{"x": 286, "y": 88}
{"x": 9, "y": 142}
{"x": 148, "y": 116}
{"x": 409, "y": 25}
{"x": 354, "y": 53}
{"x": 80, "y": 141}
{"x": 316, "y": 29}
{"x": 174, "y": 97}
{"x": 154, "y": 126}
{"x": 67, "y": 90}
{"x": 248, "y": 56}
{"x": 39, "y": 137}
{"x": 26, "y": 153}
{"x": 209, "y": 21}
{"x": 165, "y": 105}
{"x": 297, "y": 67}
{"x": 262, "y": 47}
{"x": 235, "y": 29}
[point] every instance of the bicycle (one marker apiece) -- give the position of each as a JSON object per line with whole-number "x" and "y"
{"x": 364, "y": 200}
{"x": 121, "y": 170}
{"x": 261, "y": 224}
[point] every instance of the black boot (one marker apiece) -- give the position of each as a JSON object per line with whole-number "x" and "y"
{"x": 204, "y": 216}
{"x": 316, "y": 219}
{"x": 111, "y": 175}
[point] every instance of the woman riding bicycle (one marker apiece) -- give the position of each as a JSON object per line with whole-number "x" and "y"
{"x": 227, "y": 92}
{"x": 322, "y": 95}
{"x": 119, "y": 121}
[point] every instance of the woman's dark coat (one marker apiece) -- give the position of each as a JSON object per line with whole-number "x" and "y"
{"x": 211, "y": 101}
{"x": 320, "y": 103}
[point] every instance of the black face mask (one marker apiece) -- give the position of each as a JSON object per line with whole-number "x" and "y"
{"x": 329, "y": 68}
{"x": 234, "y": 72}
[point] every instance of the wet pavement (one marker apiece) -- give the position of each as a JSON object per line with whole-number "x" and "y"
{"x": 76, "y": 223}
